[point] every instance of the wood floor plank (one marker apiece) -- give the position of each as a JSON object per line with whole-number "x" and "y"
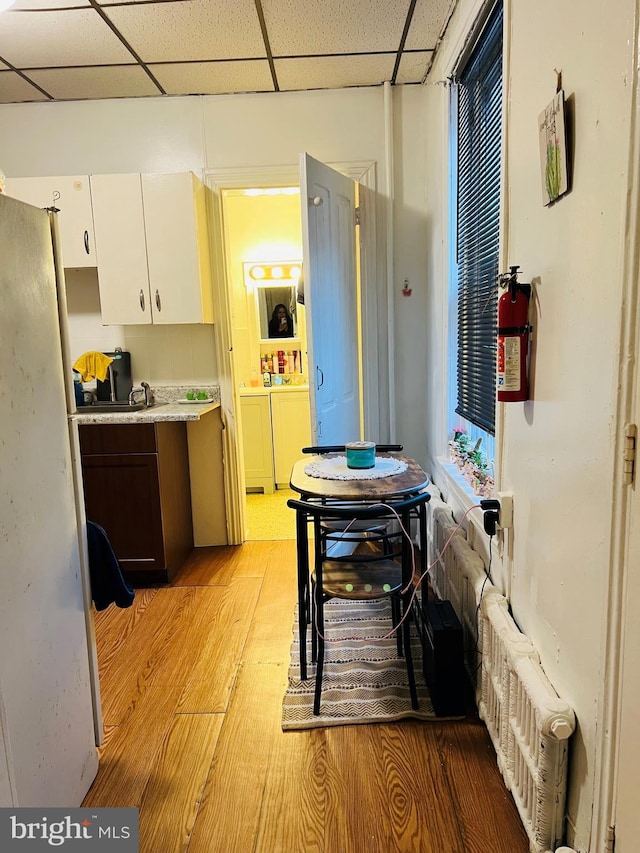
{"x": 292, "y": 809}
{"x": 218, "y": 648}
{"x": 128, "y": 759}
{"x": 229, "y": 815}
{"x": 271, "y": 630}
{"x": 421, "y": 810}
{"x": 357, "y": 815}
{"x": 481, "y": 800}
{"x": 114, "y": 626}
{"x": 172, "y": 796}
{"x": 220, "y": 565}
{"x": 149, "y": 646}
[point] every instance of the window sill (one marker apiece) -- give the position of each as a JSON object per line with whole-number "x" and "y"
{"x": 457, "y": 492}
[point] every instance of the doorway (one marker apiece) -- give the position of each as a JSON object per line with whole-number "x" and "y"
{"x": 263, "y": 259}
{"x": 374, "y": 296}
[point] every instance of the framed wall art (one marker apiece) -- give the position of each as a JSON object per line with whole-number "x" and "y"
{"x": 553, "y": 150}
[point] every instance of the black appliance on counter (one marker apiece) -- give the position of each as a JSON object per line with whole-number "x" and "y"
{"x": 120, "y": 370}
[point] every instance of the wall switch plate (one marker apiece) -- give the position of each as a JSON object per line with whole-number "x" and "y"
{"x": 506, "y": 509}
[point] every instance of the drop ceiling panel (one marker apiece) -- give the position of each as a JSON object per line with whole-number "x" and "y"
{"x": 334, "y": 26}
{"x": 32, "y": 5}
{"x": 429, "y": 16}
{"x": 71, "y": 37}
{"x": 334, "y": 72}
{"x": 214, "y": 78}
{"x": 13, "y": 89}
{"x": 115, "y": 81}
{"x": 211, "y": 46}
{"x": 201, "y": 29}
{"x": 413, "y": 66}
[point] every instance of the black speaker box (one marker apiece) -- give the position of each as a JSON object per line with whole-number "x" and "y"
{"x": 443, "y": 658}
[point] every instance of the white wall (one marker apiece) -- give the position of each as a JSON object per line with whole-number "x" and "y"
{"x": 558, "y": 448}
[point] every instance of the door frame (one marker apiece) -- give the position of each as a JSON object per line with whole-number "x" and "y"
{"x": 625, "y": 526}
{"x": 371, "y": 260}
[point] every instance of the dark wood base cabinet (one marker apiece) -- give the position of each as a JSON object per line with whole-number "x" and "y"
{"x": 136, "y": 486}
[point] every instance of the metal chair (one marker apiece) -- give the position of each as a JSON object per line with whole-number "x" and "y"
{"x": 384, "y": 571}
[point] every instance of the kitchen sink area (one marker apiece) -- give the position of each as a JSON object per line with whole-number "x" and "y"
{"x": 104, "y": 408}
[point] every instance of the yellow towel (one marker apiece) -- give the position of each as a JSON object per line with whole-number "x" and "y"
{"x": 93, "y": 365}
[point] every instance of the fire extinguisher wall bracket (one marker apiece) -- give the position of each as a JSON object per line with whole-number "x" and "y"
{"x": 513, "y": 339}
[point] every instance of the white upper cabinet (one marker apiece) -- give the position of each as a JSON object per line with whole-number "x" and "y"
{"x": 72, "y": 196}
{"x": 123, "y": 276}
{"x": 153, "y": 249}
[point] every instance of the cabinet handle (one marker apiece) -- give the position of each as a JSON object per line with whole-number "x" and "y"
{"x": 158, "y": 305}
{"x": 86, "y": 242}
{"x": 141, "y": 300}
{"x": 319, "y": 376}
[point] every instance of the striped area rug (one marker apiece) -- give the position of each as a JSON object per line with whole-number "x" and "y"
{"x": 364, "y": 680}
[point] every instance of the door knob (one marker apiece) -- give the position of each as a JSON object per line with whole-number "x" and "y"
{"x": 316, "y": 201}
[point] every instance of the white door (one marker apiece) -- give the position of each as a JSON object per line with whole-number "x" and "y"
{"x": 46, "y": 716}
{"x": 330, "y": 294}
{"x": 627, "y": 815}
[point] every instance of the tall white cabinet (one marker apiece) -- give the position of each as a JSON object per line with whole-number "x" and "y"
{"x": 152, "y": 245}
{"x": 72, "y": 196}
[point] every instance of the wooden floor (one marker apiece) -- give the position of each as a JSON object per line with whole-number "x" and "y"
{"x": 192, "y": 680}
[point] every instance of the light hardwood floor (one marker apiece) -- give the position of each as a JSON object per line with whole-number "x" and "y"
{"x": 192, "y": 679}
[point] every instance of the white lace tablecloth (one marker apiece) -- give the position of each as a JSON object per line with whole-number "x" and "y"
{"x": 335, "y": 468}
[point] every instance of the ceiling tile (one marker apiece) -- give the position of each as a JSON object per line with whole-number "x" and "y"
{"x": 13, "y": 89}
{"x": 323, "y": 72}
{"x": 334, "y": 26}
{"x": 429, "y": 17}
{"x": 34, "y": 5}
{"x": 413, "y": 66}
{"x": 214, "y": 78}
{"x": 111, "y": 81}
{"x": 67, "y": 37}
{"x": 200, "y": 29}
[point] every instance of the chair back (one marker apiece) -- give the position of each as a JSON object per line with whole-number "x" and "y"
{"x": 341, "y": 448}
{"x": 361, "y": 511}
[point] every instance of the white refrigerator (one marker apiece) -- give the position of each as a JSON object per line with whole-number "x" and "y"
{"x": 49, "y": 704}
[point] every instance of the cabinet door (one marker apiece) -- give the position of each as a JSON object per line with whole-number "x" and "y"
{"x": 177, "y": 248}
{"x": 121, "y": 493}
{"x": 256, "y": 442}
{"x": 123, "y": 276}
{"x": 72, "y": 196}
{"x": 291, "y": 430}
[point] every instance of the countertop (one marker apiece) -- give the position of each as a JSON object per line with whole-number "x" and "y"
{"x": 154, "y": 414}
{"x": 250, "y": 390}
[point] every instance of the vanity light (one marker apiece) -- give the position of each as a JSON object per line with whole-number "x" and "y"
{"x": 272, "y": 274}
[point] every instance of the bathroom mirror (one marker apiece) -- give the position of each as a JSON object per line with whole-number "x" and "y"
{"x": 267, "y": 300}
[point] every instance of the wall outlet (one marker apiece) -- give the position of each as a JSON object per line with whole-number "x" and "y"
{"x": 506, "y": 509}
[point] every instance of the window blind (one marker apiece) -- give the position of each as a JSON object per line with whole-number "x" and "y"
{"x": 478, "y": 219}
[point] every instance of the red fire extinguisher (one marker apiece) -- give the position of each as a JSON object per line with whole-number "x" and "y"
{"x": 513, "y": 339}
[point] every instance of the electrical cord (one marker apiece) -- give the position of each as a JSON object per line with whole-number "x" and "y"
{"x": 488, "y": 577}
{"x": 413, "y": 582}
